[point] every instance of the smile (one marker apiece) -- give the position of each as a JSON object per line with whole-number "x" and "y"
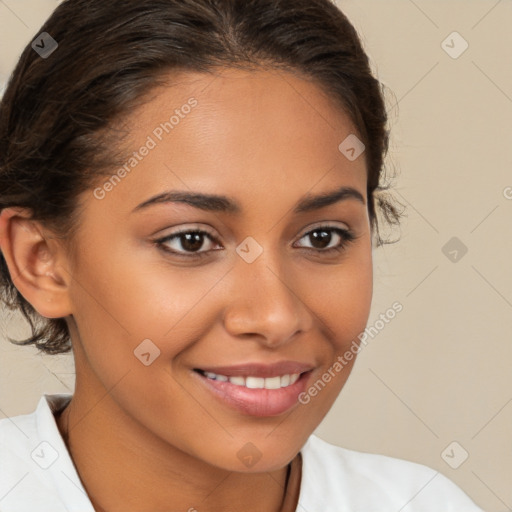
{"x": 250, "y": 382}
{"x": 255, "y": 395}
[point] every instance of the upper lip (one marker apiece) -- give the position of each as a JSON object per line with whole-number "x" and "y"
{"x": 259, "y": 369}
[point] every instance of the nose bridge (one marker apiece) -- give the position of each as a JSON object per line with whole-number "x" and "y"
{"x": 264, "y": 301}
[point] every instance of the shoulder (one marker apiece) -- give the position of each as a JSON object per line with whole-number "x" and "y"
{"x": 36, "y": 471}
{"x": 375, "y": 482}
{"x": 16, "y": 436}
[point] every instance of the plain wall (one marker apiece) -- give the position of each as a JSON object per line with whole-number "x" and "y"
{"x": 440, "y": 370}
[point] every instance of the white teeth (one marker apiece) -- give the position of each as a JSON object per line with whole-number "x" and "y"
{"x": 239, "y": 381}
{"x": 285, "y": 381}
{"x": 254, "y": 382}
{"x": 273, "y": 382}
{"x": 257, "y": 382}
{"x": 294, "y": 378}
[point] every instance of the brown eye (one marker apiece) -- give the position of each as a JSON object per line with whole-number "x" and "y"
{"x": 191, "y": 241}
{"x": 320, "y": 239}
{"x": 328, "y": 238}
{"x": 187, "y": 243}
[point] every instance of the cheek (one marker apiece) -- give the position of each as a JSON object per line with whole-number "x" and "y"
{"x": 345, "y": 299}
{"x": 343, "y": 306}
{"x": 134, "y": 298}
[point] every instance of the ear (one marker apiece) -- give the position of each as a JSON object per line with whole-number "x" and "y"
{"x": 36, "y": 262}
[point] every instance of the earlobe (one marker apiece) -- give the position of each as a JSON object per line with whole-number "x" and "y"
{"x": 33, "y": 259}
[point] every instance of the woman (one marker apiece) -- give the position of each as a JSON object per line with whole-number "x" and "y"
{"x": 189, "y": 199}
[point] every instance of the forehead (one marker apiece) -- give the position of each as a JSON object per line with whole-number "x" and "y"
{"x": 266, "y": 101}
{"x": 237, "y": 132}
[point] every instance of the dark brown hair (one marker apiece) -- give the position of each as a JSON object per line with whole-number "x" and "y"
{"x": 57, "y": 113}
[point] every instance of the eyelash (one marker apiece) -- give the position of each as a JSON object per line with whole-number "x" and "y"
{"x": 346, "y": 236}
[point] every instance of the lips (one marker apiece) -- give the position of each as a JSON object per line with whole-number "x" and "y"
{"x": 257, "y": 388}
{"x": 255, "y": 402}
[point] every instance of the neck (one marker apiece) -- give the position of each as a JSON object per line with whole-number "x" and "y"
{"x": 124, "y": 467}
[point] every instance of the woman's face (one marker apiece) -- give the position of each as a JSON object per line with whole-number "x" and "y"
{"x": 268, "y": 287}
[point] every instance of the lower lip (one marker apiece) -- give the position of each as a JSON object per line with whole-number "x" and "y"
{"x": 257, "y": 402}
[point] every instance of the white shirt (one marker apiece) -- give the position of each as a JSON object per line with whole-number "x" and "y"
{"x": 37, "y": 474}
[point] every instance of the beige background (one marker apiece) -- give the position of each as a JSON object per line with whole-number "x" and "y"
{"x": 440, "y": 371}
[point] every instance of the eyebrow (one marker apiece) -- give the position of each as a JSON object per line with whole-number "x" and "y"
{"x": 224, "y": 204}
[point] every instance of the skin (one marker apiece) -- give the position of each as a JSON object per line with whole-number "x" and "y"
{"x": 265, "y": 139}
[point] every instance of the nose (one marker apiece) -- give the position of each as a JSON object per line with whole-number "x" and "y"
{"x": 265, "y": 305}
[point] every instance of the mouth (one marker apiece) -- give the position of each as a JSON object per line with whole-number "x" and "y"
{"x": 255, "y": 395}
{"x": 253, "y": 382}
